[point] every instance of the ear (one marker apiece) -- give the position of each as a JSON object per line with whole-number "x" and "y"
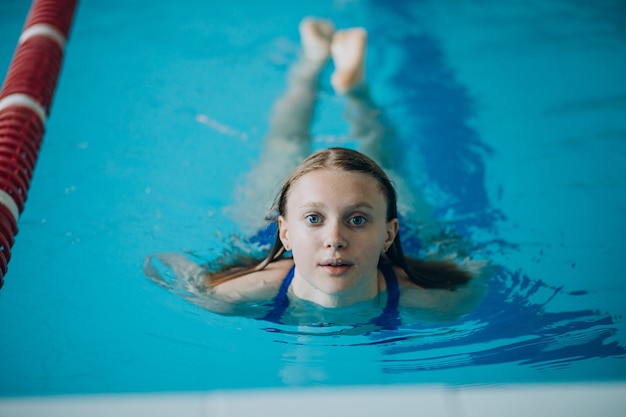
{"x": 392, "y": 231}
{"x": 283, "y": 233}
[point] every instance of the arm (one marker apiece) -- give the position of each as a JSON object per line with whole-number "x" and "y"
{"x": 184, "y": 277}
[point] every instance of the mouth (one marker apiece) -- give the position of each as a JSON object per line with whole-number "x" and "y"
{"x": 336, "y": 267}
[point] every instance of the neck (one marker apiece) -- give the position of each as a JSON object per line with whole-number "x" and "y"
{"x": 368, "y": 289}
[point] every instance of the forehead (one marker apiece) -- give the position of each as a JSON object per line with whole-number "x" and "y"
{"x": 330, "y": 184}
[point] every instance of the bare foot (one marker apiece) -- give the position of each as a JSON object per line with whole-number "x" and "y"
{"x": 348, "y": 51}
{"x": 316, "y": 35}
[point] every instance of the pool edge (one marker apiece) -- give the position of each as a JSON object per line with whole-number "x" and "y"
{"x": 570, "y": 399}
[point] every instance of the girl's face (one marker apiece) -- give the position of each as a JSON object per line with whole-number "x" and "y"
{"x": 336, "y": 227}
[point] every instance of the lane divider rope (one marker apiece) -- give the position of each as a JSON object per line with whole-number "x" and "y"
{"x": 25, "y": 100}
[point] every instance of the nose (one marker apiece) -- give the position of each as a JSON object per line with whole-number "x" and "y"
{"x": 334, "y": 237}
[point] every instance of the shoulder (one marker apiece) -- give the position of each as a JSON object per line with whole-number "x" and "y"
{"x": 439, "y": 304}
{"x": 255, "y": 286}
{"x": 411, "y": 294}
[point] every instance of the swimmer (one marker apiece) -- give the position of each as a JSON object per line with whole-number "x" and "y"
{"x": 337, "y": 245}
{"x": 337, "y": 242}
{"x": 337, "y": 215}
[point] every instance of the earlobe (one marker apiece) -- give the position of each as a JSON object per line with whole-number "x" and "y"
{"x": 282, "y": 232}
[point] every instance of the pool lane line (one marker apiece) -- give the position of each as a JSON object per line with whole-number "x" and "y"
{"x": 25, "y": 101}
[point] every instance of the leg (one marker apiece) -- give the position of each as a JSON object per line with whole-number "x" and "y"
{"x": 288, "y": 141}
{"x": 293, "y": 112}
{"x": 375, "y": 137}
{"x": 366, "y": 120}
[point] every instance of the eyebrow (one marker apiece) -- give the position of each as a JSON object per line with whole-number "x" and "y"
{"x": 321, "y": 205}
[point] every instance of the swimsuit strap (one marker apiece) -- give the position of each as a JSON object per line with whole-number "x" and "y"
{"x": 280, "y": 303}
{"x": 390, "y": 317}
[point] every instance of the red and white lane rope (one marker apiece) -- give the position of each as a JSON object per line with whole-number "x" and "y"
{"x": 25, "y": 101}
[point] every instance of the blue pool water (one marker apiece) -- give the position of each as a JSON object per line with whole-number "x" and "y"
{"x": 511, "y": 118}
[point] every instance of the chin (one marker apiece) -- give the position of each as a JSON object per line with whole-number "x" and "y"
{"x": 335, "y": 288}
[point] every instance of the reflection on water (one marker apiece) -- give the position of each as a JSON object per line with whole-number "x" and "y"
{"x": 512, "y": 325}
{"x": 507, "y": 330}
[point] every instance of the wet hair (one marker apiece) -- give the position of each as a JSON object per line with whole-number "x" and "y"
{"x": 426, "y": 274}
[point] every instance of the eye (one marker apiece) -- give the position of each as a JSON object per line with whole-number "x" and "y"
{"x": 357, "y": 221}
{"x": 313, "y": 218}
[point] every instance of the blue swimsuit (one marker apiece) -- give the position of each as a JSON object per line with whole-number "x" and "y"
{"x": 389, "y": 318}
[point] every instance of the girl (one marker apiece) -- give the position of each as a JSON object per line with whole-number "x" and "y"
{"x": 337, "y": 242}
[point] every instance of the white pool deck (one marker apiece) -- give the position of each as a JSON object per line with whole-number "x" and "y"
{"x": 536, "y": 400}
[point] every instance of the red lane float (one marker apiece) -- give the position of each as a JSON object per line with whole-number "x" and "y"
{"x": 25, "y": 101}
